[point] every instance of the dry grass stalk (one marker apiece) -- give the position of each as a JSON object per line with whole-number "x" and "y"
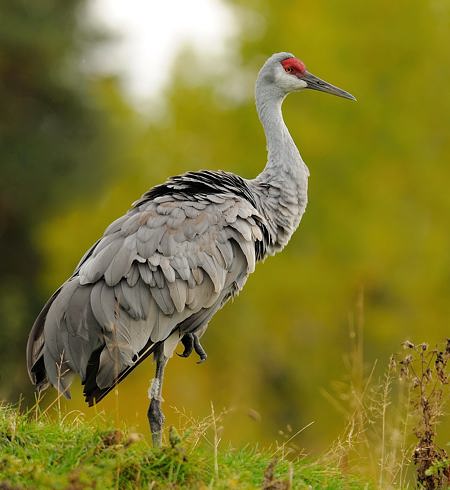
{"x": 427, "y": 371}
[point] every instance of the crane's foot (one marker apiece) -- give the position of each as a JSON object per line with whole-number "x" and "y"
{"x": 188, "y": 342}
{"x": 192, "y": 342}
{"x": 156, "y": 419}
{"x": 199, "y": 350}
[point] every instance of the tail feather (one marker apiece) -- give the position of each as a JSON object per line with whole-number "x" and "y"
{"x": 35, "y": 347}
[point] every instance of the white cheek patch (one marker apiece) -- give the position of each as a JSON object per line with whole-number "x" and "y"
{"x": 293, "y": 84}
{"x": 288, "y": 82}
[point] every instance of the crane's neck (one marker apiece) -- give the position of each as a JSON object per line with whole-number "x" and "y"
{"x": 283, "y": 156}
{"x": 283, "y": 184}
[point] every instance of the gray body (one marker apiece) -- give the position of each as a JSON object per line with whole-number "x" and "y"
{"x": 166, "y": 267}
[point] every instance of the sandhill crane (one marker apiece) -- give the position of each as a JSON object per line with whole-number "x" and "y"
{"x": 160, "y": 272}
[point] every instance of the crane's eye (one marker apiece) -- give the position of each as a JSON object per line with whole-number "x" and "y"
{"x": 289, "y": 69}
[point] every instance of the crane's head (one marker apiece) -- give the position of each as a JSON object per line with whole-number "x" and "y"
{"x": 286, "y": 73}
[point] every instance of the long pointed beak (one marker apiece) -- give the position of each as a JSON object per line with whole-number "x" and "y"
{"x": 315, "y": 83}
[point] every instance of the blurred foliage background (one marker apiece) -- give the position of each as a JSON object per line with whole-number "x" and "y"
{"x": 75, "y": 153}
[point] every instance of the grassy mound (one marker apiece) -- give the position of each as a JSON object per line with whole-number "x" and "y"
{"x": 72, "y": 454}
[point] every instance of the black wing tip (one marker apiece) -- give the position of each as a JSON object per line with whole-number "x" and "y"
{"x": 90, "y": 400}
{"x": 92, "y": 397}
{"x": 38, "y": 374}
{"x": 95, "y": 395}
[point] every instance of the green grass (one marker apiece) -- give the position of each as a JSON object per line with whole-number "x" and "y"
{"x": 72, "y": 454}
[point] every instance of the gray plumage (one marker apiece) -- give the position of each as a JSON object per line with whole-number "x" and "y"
{"x": 160, "y": 272}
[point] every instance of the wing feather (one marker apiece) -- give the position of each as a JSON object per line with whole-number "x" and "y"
{"x": 121, "y": 261}
{"x": 132, "y": 275}
{"x": 146, "y": 273}
{"x": 131, "y": 301}
{"x": 178, "y": 293}
{"x": 94, "y": 268}
{"x": 163, "y": 300}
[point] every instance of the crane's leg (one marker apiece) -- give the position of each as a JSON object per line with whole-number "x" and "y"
{"x": 154, "y": 414}
{"x": 191, "y": 342}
